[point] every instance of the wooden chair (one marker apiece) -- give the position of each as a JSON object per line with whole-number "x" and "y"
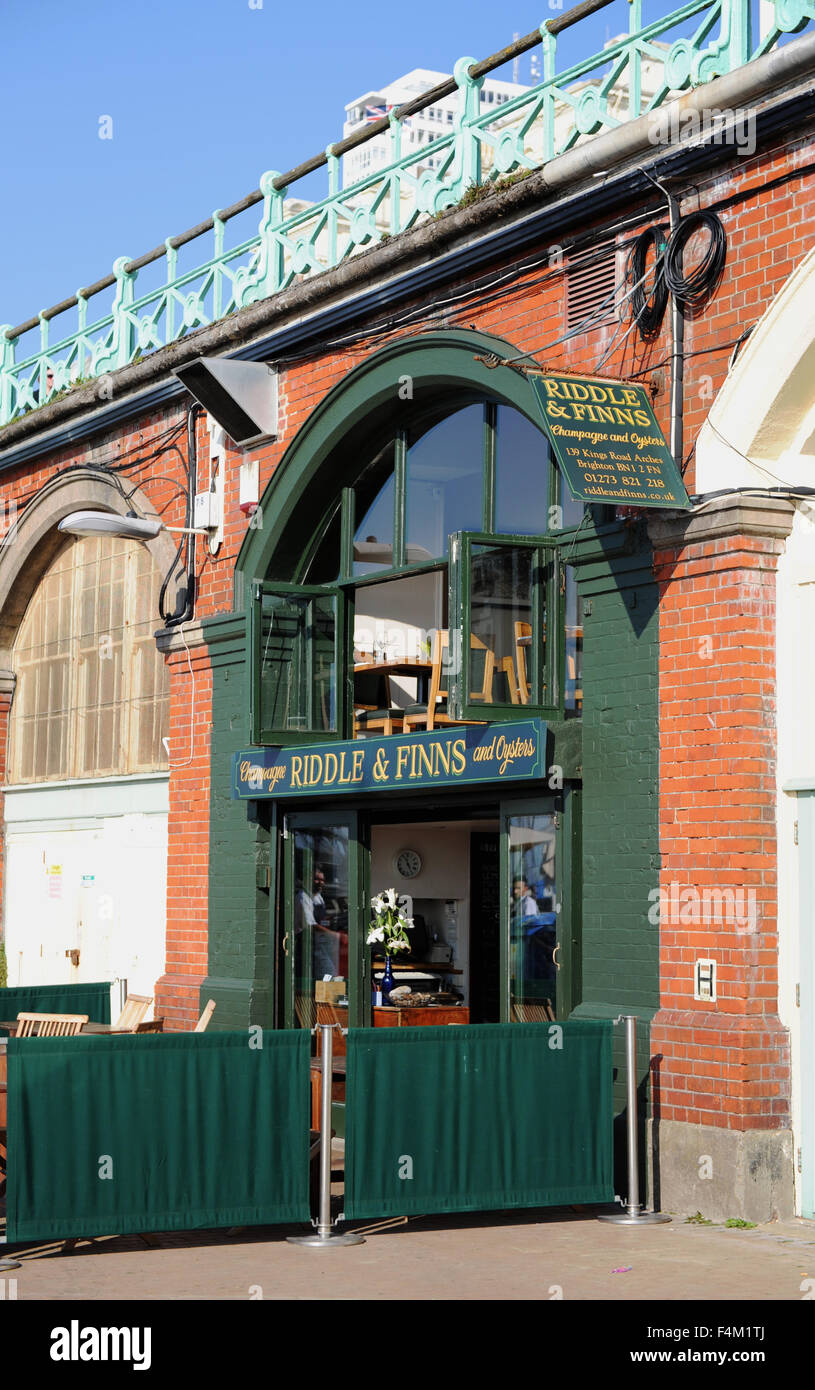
{"x": 136, "y": 1006}
{"x": 523, "y": 633}
{"x": 154, "y": 1025}
{"x": 435, "y": 712}
{"x": 534, "y": 1013}
{"x": 203, "y": 1022}
{"x": 372, "y": 704}
{"x": 50, "y": 1025}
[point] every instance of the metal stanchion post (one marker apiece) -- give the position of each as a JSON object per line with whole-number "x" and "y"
{"x": 633, "y": 1215}
{"x": 325, "y": 1236}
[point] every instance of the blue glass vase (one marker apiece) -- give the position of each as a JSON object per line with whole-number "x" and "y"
{"x": 387, "y": 981}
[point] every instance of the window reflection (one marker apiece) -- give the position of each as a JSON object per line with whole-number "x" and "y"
{"x": 445, "y": 481}
{"x": 522, "y": 470}
{"x": 373, "y": 534}
{"x": 532, "y": 918}
{"x": 574, "y": 647}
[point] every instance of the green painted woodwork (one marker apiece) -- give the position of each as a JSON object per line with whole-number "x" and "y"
{"x": 693, "y": 44}
{"x": 619, "y": 960}
{"x": 242, "y": 847}
{"x": 613, "y": 811}
{"x": 437, "y": 366}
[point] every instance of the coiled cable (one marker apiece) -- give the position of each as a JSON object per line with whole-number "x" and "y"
{"x": 691, "y": 291}
{"x": 648, "y": 307}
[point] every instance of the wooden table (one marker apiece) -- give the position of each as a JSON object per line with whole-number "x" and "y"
{"x": 388, "y": 1016}
{"x": 405, "y": 666}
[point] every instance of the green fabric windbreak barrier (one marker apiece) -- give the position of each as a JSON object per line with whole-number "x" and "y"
{"x": 111, "y": 1134}
{"x": 480, "y": 1117}
{"x": 91, "y": 999}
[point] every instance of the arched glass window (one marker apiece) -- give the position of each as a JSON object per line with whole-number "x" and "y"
{"x": 92, "y": 693}
{"x": 428, "y": 589}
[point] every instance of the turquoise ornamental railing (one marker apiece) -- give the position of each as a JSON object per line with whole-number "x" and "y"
{"x": 630, "y": 76}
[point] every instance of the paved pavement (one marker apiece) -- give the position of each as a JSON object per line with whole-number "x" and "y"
{"x": 495, "y": 1256}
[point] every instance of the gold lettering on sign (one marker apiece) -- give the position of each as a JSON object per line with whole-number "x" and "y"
{"x": 459, "y": 756}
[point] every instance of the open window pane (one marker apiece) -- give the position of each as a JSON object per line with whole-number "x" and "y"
{"x": 445, "y": 483}
{"x": 501, "y": 663}
{"x": 297, "y": 637}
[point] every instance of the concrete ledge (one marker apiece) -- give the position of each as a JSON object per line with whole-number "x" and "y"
{"x": 751, "y": 1172}
{"x": 735, "y": 515}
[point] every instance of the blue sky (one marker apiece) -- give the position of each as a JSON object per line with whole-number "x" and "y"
{"x": 203, "y": 95}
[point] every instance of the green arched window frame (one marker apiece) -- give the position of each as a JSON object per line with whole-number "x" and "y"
{"x": 306, "y": 526}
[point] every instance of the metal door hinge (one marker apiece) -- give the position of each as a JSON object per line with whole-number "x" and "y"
{"x": 797, "y": 996}
{"x": 799, "y": 1161}
{"x": 795, "y": 832}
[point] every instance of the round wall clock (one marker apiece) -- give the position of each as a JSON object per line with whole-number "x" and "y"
{"x": 408, "y": 863}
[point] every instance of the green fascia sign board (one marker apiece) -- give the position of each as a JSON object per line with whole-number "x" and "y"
{"x": 607, "y": 441}
{"x": 455, "y": 756}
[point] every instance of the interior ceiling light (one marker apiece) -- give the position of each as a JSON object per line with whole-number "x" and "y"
{"x": 240, "y": 396}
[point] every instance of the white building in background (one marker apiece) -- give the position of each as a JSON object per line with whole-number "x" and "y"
{"x": 422, "y": 129}
{"x": 436, "y": 121}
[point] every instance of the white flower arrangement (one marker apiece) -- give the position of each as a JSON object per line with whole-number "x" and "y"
{"x": 390, "y": 923}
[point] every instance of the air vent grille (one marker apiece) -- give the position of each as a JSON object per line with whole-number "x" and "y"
{"x": 591, "y": 279}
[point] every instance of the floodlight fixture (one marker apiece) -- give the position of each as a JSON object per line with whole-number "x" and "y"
{"x": 241, "y": 397}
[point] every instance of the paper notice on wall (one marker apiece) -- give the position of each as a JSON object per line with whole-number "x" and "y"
{"x": 54, "y": 872}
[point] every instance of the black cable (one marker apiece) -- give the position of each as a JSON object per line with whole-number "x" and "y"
{"x": 648, "y": 308}
{"x": 691, "y": 291}
{"x": 185, "y": 605}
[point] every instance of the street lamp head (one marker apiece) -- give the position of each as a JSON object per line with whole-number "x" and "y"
{"x": 136, "y": 528}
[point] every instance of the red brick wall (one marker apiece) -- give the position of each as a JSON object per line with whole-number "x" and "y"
{"x": 177, "y": 992}
{"x": 726, "y": 1064}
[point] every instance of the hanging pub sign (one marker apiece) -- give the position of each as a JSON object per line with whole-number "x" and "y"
{"x": 455, "y": 756}
{"x": 607, "y": 441}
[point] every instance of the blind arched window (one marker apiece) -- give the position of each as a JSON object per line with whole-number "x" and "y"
{"x": 92, "y": 694}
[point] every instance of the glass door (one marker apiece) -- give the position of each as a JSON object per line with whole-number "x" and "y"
{"x": 533, "y": 911}
{"x": 321, "y": 921}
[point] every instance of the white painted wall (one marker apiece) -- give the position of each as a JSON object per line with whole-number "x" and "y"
{"x": 86, "y": 869}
